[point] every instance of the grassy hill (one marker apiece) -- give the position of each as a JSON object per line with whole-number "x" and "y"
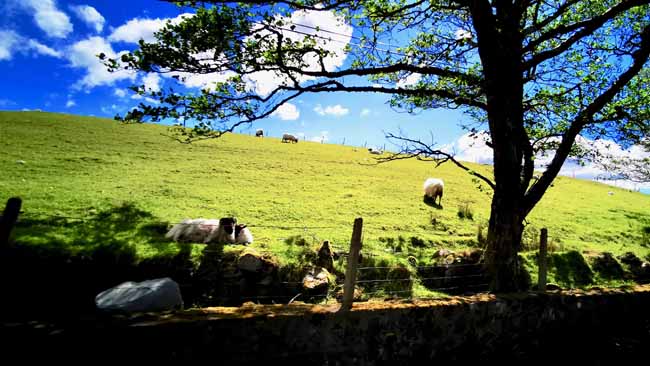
{"x": 89, "y": 181}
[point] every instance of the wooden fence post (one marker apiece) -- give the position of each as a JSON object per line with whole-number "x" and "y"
{"x": 351, "y": 270}
{"x": 543, "y": 249}
{"x": 8, "y": 219}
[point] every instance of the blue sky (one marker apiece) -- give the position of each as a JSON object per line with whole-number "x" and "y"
{"x": 47, "y": 62}
{"x": 42, "y": 67}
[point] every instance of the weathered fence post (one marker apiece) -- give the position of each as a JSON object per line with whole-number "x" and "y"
{"x": 543, "y": 249}
{"x": 351, "y": 270}
{"x": 8, "y": 219}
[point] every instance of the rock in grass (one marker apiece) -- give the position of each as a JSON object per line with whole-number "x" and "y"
{"x": 254, "y": 262}
{"x": 153, "y": 295}
{"x": 316, "y": 279}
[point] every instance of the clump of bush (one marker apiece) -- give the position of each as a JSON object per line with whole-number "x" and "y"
{"x": 645, "y": 236}
{"x": 465, "y": 211}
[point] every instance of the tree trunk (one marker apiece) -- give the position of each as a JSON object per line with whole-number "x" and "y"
{"x": 504, "y": 241}
{"x": 500, "y": 48}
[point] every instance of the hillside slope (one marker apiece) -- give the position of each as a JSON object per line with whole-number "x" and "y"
{"x": 77, "y": 167}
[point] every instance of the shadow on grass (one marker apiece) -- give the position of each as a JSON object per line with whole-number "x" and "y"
{"x": 430, "y": 202}
{"x": 570, "y": 269}
{"x": 58, "y": 265}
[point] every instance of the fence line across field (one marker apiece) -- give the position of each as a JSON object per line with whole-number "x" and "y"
{"x": 422, "y": 267}
{"x": 410, "y": 279}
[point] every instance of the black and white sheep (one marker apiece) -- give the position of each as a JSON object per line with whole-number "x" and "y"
{"x": 433, "y": 188}
{"x": 193, "y": 230}
{"x": 259, "y": 133}
{"x": 224, "y": 233}
{"x": 242, "y": 234}
{"x": 289, "y": 138}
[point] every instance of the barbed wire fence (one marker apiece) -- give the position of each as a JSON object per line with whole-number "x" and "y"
{"x": 401, "y": 281}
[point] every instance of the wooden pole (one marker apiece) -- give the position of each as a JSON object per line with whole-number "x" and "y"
{"x": 543, "y": 249}
{"x": 351, "y": 270}
{"x": 9, "y": 217}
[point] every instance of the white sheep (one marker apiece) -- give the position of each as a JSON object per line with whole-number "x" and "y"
{"x": 242, "y": 234}
{"x": 375, "y": 151}
{"x": 192, "y": 230}
{"x": 289, "y": 138}
{"x": 224, "y": 233}
{"x": 433, "y": 188}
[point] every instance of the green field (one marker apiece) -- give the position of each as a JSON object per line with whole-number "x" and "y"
{"x": 89, "y": 181}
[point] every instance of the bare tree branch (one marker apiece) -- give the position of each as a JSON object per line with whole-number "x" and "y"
{"x": 422, "y": 151}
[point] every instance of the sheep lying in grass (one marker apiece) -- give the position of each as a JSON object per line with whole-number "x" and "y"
{"x": 193, "y": 230}
{"x": 289, "y": 138}
{"x": 433, "y": 188}
{"x": 224, "y": 233}
{"x": 375, "y": 151}
{"x": 224, "y": 230}
{"x": 242, "y": 234}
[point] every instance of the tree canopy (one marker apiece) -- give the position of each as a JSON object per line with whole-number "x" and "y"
{"x": 535, "y": 74}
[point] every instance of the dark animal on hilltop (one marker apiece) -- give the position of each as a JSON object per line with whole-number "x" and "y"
{"x": 289, "y": 138}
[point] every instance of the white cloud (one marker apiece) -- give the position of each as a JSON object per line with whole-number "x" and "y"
{"x": 83, "y": 54}
{"x": 8, "y": 40}
{"x": 365, "y": 112}
{"x": 333, "y": 110}
{"x": 11, "y": 43}
{"x": 70, "y": 103}
{"x": 90, "y": 16}
{"x": 42, "y": 49}
{"x": 148, "y": 99}
{"x": 287, "y": 112}
{"x": 471, "y": 148}
{"x": 306, "y": 22}
{"x": 51, "y": 20}
{"x": 410, "y": 80}
{"x": 202, "y": 81}
{"x": 120, "y": 93}
{"x": 463, "y": 34}
{"x": 151, "y": 82}
{"x": 136, "y": 29}
{"x": 263, "y": 82}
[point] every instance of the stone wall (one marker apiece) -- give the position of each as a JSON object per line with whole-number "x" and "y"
{"x": 596, "y": 326}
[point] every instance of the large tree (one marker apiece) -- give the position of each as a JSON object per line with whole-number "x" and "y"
{"x": 534, "y": 73}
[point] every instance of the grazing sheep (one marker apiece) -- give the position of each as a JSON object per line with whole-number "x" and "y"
{"x": 259, "y": 133}
{"x": 289, "y": 138}
{"x": 224, "y": 233}
{"x": 192, "y": 230}
{"x": 433, "y": 188}
{"x": 242, "y": 234}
